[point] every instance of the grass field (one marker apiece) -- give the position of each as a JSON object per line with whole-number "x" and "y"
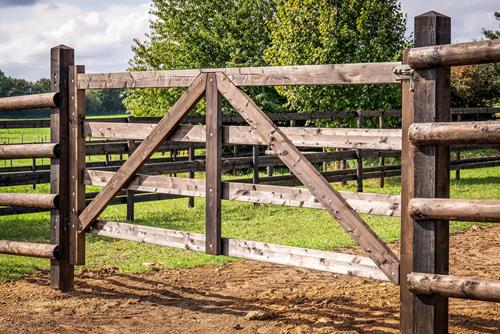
{"x": 291, "y": 226}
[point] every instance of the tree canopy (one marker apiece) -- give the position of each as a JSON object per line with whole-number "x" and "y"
{"x": 201, "y": 34}
{"x": 333, "y": 32}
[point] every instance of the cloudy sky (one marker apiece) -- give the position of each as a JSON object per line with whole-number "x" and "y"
{"x": 102, "y": 31}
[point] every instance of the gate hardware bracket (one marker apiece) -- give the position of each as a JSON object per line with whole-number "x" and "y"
{"x": 404, "y": 72}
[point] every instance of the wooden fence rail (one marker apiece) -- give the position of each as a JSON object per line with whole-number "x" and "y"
{"x": 45, "y": 100}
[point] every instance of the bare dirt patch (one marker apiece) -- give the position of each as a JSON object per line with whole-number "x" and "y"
{"x": 240, "y": 297}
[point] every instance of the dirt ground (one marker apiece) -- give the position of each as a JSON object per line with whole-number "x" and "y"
{"x": 240, "y": 297}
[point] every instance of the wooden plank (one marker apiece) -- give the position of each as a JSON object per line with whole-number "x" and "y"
{"x": 456, "y": 54}
{"x": 311, "y": 178}
{"x": 340, "y": 263}
{"x": 407, "y": 191}
{"x": 35, "y": 101}
{"x": 155, "y": 138}
{"x": 45, "y": 251}
{"x": 379, "y": 139}
{"x": 61, "y": 270}
{"x": 338, "y": 74}
{"x": 454, "y": 286}
{"x": 377, "y": 204}
{"x": 449, "y": 133}
{"x": 455, "y": 209}
{"x": 42, "y": 201}
{"x": 76, "y": 165}
{"x": 213, "y": 167}
{"x": 431, "y": 174}
{"x": 24, "y": 151}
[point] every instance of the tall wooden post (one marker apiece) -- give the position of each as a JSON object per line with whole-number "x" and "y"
{"x": 213, "y": 167}
{"x": 425, "y": 244}
{"x": 76, "y": 164}
{"x": 61, "y": 271}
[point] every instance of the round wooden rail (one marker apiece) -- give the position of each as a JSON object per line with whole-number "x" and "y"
{"x": 45, "y": 100}
{"x": 455, "y": 54}
{"x": 453, "y": 209}
{"x": 21, "y": 151}
{"x": 41, "y": 201}
{"x": 45, "y": 251}
{"x": 454, "y": 286}
{"x": 449, "y": 133}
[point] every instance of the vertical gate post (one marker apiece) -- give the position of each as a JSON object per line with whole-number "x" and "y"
{"x": 76, "y": 164}
{"x": 213, "y": 167}
{"x": 425, "y": 244}
{"x": 61, "y": 271}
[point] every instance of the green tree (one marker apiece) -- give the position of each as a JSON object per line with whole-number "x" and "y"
{"x": 477, "y": 85}
{"x": 201, "y": 34}
{"x": 334, "y": 32}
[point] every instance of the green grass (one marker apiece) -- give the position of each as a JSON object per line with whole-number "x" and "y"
{"x": 290, "y": 226}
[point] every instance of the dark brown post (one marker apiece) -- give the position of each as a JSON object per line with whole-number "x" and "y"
{"x": 429, "y": 178}
{"x": 359, "y": 158}
{"x": 76, "y": 165}
{"x": 131, "y": 146}
{"x": 61, "y": 271}
{"x": 213, "y": 167}
{"x": 457, "y": 155}
{"x": 381, "y": 161}
{"x": 191, "y": 156}
{"x": 255, "y": 167}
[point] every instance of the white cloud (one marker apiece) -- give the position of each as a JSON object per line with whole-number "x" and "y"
{"x": 101, "y": 39}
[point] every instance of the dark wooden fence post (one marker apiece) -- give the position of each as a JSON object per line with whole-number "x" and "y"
{"x": 255, "y": 167}
{"x": 76, "y": 165}
{"x": 381, "y": 162}
{"x": 213, "y": 167}
{"x": 359, "y": 158}
{"x": 191, "y": 157}
{"x": 61, "y": 271}
{"x": 425, "y": 243}
{"x": 458, "y": 153}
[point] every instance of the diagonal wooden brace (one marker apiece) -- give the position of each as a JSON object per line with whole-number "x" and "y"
{"x": 331, "y": 200}
{"x": 156, "y": 137}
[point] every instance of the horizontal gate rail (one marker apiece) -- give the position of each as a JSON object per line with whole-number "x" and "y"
{"x": 46, "y": 251}
{"x": 456, "y": 54}
{"x": 380, "y": 139}
{"x": 23, "y": 151}
{"x": 340, "y": 263}
{"x": 42, "y": 201}
{"x": 454, "y": 286}
{"x": 35, "y": 101}
{"x": 337, "y": 74}
{"x": 455, "y": 209}
{"x": 449, "y": 133}
{"x": 377, "y": 204}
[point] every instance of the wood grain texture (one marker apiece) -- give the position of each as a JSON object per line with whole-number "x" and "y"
{"x": 76, "y": 165}
{"x": 45, "y": 251}
{"x": 455, "y": 209}
{"x": 35, "y": 101}
{"x": 338, "y": 74}
{"x": 456, "y": 54}
{"x": 340, "y": 263}
{"x": 23, "y": 151}
{"x": 449, "y": 133}
{"x": 155, "y": 138}
{"x": 376, "y": 204}
{"x": 42, "y": 201}
{"x": 379, "y": 139}
{"x": 61, "y": 270}
{"x": 213, "y": 167}
{"x": 333, "y": 202}
{"x": 454, "y": 286}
